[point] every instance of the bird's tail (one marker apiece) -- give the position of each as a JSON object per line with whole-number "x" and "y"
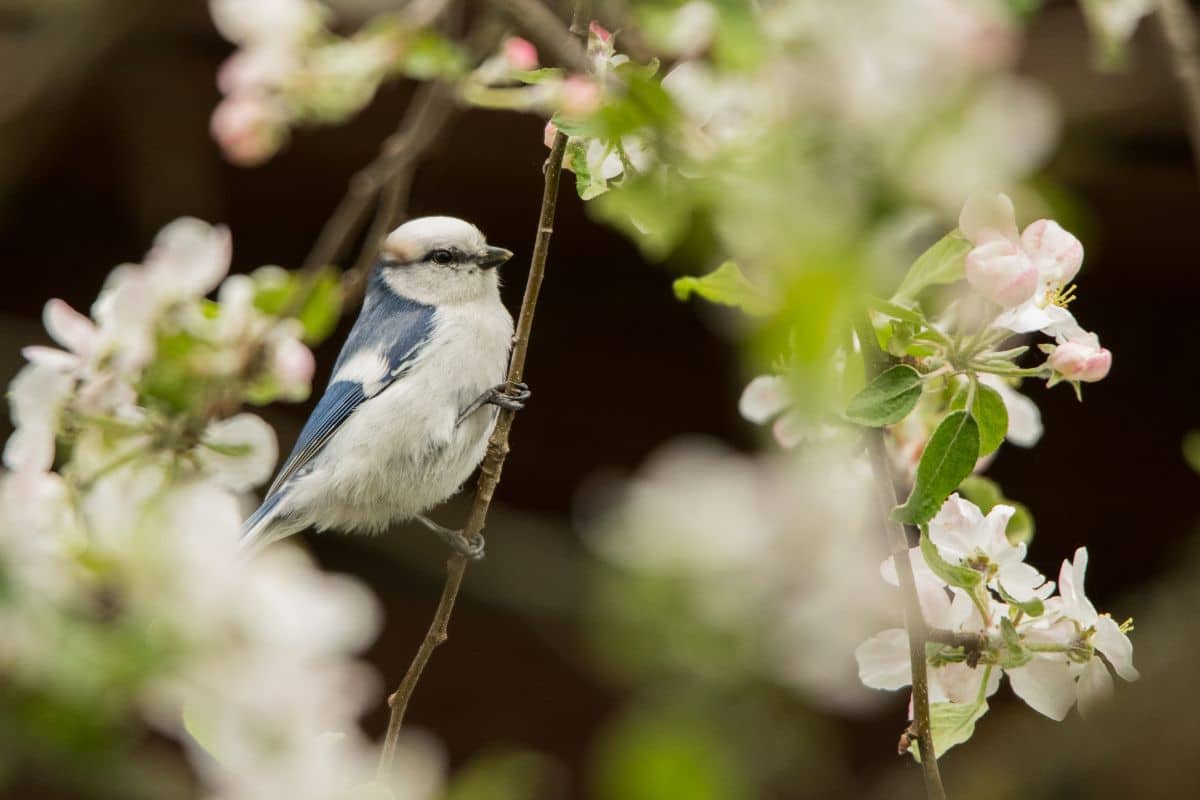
{"x": 268, "y": 524}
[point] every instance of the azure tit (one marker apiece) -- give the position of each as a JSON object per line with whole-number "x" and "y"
{"x": 412, "y": 399}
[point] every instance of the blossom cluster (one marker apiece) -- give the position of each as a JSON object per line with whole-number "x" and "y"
{"x": 290, "y": 69}
{"x": 119, "y": 526}
{"x": 974, "y": 585}
{"x": 771, "y": 560}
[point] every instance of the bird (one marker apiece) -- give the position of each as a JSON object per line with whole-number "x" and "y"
{"x": 413, "y": 396}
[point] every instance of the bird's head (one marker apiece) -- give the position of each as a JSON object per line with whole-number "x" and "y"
{"x": 440, "y": 261}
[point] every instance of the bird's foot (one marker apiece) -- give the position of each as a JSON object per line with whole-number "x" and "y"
{"x": 499, "y": 396}
{"x": 471, "y": 548}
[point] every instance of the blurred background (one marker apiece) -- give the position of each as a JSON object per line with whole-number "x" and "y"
{"x": 104, "y": 138}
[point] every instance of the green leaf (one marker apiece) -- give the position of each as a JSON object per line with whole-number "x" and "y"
{"x": 538, "y": 75}
{"x": 951, "y": 724}
{"x": 1015, "y": 654}
{"x": 725, "y": 285}
{"x": 944, "y": 262}
{"x": 990, "y": 414}
{"x": 887, "y": 399}
{"x": 948, "y": 459}
{"x": 430, "y": 55}
{"x": 953, "y": 574}
{"x": 1033, "y": 608}
{"x": 502, "y": 775}
{"x": 316, "y": 300}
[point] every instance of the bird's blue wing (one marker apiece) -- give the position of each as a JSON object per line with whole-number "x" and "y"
{"x": 394, "y": 327}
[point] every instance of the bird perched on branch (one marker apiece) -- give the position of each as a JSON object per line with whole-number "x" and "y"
{"x": 411, "y": 402}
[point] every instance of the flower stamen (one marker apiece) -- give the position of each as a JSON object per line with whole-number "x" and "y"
{"x": 1062, "y": 297}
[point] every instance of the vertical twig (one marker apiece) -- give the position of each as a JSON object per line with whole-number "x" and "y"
{"x": 914, "y": 619}
{"x": 1178, "y": 24}
{"x": 493, "y": 462}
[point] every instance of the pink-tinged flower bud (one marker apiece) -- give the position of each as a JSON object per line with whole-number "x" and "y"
{"x": 549, "y": 133}
{"x": 599, "y": 31}
{"x": 1081, "y": 359}
{"x": 520, "y": 53}
{"x": 1055, "y": 252}
{"x": 248, "y": 129}
{"x": 293, "y": 363}
{"x": 1000, "y": 271}
{"x": 581, "y": 96}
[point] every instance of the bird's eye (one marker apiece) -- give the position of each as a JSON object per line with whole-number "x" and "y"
{"x": 441, "y": 256}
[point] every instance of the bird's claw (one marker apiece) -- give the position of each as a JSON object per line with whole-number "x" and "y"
{"x": 512, "y": 401}
{"x": 471, "y": 548}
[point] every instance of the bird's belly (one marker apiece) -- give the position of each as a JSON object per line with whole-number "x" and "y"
{"x": 402, "y": 452}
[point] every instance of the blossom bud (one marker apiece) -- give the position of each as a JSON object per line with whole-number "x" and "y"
{"x": 520, "y": 53}
{"x": 599, "y": 31}
{"x": 1081, "y": 359}
{"x": 549, "y": 133}
{"x": 293, "y": 366}
{"x": 581, "y": 96}
{"x": 1000, "y": 271}
{"x": 248, "y": 129}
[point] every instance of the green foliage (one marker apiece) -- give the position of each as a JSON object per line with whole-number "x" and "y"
{"x": 949, "y": 457}
{"x": 654, "y": 210}
{"x": 953, "y": 574}
{"x": 502, "y": 775}
{"x": 986, "y": 494}
{"x": 944, "y": 262}
{"x": 952, "y": 724}
{"x": 990, "y": 413}
{"x": 1033, "y": 608}
{"x": 887, "y": 399}
{"x": 430, "y": 55}
{"x": 725, "y": 285}
{"x": 315, "y": 300}
{"x": 647, "y": 757}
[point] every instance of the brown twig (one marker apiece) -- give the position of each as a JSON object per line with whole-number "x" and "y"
{"x": 493, "y": 462}
{"x": 1178, "y": 24}
{"x": 914, "y": 621}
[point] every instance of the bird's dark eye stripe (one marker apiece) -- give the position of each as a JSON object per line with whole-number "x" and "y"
{"x": 444, "y": 256}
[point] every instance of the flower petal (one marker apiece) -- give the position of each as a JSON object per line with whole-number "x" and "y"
{"x": 1055, "y": 252}
{"x": 69, "y": 328}
{"x": 1095, "y": 686}
{"x": 883, "y": 660}
{"x": 1076, "y": 606}
{"x": 189, "y": 258}
{"x": 1024, "y": 417}
{"x": 239, "y": 452}
{"x": 763, "y": 399}
{"x": 1046, "y": 685}
{"x": 1116, "y": 647}
{"x": 986, "y": 217}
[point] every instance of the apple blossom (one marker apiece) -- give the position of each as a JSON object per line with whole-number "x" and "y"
{"x": 1081, "y": 358}
{"x": 693, "y": 26}
{"x": 250, "y": 128}
{"x": 580, "y": 96}
{"x": 520, "y": 53}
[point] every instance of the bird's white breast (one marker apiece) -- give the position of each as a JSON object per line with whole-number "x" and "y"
{"x": 401, "y": 452}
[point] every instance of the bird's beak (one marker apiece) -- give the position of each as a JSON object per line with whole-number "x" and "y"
{"x": 492, "y": 257}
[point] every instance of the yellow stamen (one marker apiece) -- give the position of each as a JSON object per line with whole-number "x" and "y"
{"x": 1062, "y": 297}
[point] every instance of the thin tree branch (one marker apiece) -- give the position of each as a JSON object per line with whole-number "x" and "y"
{"x": 914, "y": 620}
{"x": 1178, "y": 24}
{"x": 547, "y": 31}
{"x": 493, "y": 462}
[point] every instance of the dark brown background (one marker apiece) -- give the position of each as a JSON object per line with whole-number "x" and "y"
{"x": 113, "y": 143}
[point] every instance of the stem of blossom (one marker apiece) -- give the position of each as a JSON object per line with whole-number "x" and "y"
{"x": 493, "y": 462}
{"x": 1178, "y": 24}
{"x": 969, "y": 641}
{"x": 914, "y": 621}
